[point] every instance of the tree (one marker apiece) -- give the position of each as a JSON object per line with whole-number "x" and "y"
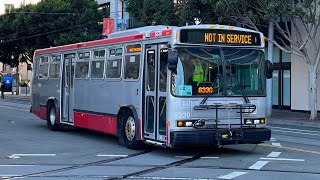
{"x": 9, "y": 51}
{"x": 300, "y": 29}
{"x": 152, "y": 12}
{"x": 188, "y": 10}
{"x": 49, "y": 23}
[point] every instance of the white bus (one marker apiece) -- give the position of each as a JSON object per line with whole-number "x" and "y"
{"x": 167, "y": 86}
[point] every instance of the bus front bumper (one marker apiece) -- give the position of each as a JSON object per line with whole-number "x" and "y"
{"x": 220, "y": 137}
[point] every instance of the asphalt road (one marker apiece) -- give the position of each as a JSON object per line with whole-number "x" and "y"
{"x": 28, "y": 150}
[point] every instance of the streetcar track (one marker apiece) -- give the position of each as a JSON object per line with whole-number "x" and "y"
{"x": 162, "y": 167}
{"x": 153, "y": 168}
{"x": 138, "y": 174}
{"x": 80, "y": 165}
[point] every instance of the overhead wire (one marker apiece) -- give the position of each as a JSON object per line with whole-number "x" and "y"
{"x": 50, "y": 32}
{"x": 16, "y": 33}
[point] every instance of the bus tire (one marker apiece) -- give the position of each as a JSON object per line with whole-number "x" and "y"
{"x": 129, "y": 132}
{"x": 52, "y": 119}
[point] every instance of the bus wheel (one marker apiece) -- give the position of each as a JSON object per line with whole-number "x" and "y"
{"x": 129, "y": 132}
{"x": 52, "y": 118}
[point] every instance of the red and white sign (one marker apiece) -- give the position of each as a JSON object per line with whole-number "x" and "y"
{"x": 108, "y": 26}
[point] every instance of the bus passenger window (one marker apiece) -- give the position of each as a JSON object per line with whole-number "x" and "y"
{"x": 43, "y": 71}
{"x": 132, "y": 65}
{"x": 44, "y": 67}
{"x": 99, "y": 54}
{"x": 54, "y": 70}
{"x": 97, "y": 69}
{"x": 82, "y": 70}
{"x": 113, "y": 68}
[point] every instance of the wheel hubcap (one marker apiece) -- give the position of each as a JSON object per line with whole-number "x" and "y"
{"x": 130, "y": 128}
{"x": 52, "y": 116}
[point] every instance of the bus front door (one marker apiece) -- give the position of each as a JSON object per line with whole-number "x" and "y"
{"x": 67, "y": 88}
{"x": 155, "y": 78}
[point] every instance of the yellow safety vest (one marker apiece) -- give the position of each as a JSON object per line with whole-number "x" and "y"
{"x": 199, "y": 74}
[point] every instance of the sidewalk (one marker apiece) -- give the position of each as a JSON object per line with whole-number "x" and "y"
{"x": 20, "y": 97}
{"x": 287, "y": 117}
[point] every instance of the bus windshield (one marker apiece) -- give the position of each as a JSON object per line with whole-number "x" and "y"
{"x": 219, "y": 72}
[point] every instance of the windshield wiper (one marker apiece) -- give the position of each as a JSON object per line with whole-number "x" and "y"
{"x": 204, "y": 100}
{"x": 246, "y": 99}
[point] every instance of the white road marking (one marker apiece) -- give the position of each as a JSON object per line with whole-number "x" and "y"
{"x": 258, "y": 165}
{"x": 111, "y": 155}
{"x": 7, "y": 176}
{"x": 14, "y": 165}
{"x": 282, "y": 159}
{"x": 14, "y": 108}
{"x": 274, "y": 154}
{"x": 232, "y": 175}
{"x": 17, "y": 156}
{"x": 169, "y": 178}
{"x": 294, "y": 132}
{"x": 276, "y": 144}
{"x": 302, "y": 130}
{"x": 209, "y": 157}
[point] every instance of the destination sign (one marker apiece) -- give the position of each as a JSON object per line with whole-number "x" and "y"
{"x": 220, "y": 37}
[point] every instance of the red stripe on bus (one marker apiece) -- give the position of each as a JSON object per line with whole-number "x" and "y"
{"x": 90, "y": 44}
{"x": 41, "y": 113}
{"x": 105, "y": 124}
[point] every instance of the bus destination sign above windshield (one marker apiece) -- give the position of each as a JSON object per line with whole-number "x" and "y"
{"x": 220, "y": 37}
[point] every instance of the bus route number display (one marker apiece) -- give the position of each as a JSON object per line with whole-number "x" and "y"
{"x": 220, "y": 37}
{"x": 205, "y": 90}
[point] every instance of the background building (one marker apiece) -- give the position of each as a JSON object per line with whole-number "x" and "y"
{"x": 11, "y": 4}
{"x": 109, "y": 11}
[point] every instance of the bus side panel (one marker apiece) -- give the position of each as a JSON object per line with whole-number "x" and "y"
{"x": 99, "y": 101}
{"x": 102, "y": 123}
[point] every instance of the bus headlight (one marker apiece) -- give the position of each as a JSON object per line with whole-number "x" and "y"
{"x": 248, "y": 121}
{"x": 185, "y": 123}
{"x": 254, "y": 121}
{"x": 189, "y": 123}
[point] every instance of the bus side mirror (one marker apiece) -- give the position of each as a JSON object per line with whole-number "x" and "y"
{"x": 269, "y": 69}
{"x": 172, "y": 60}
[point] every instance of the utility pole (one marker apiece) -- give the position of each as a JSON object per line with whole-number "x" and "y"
{"x": 116, "y": 15}
{"x": 270, "y": 57}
